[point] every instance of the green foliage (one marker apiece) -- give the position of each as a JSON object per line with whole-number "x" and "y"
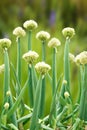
{"x": 63, "y": 114}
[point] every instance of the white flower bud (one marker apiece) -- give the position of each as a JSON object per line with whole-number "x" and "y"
{"x": 6, "y": 105}
{"x": 8, "y": 93}
{"x": 68, "y": 32}
{"x": 5, "y": 43}
{"x": 30, "y": 57}
{"x": 81, "y": 58}
{"x": 66, "y": 94}
{"x": 19, "y": 32}
{"x": 65, "y": 82}
{"x": 30, "y": 25}
{"x": 43, "y": 36}
{"x": 54, "y": 42}
{"x": 42, "y": 68}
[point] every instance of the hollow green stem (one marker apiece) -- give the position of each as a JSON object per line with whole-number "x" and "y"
{"x": 66, "y": 64}
{"x": 43, "y": 50}
{"x": 18, "y": 65}
{"x": 83, "y": 102}
{"x": 34, "y": 120}
{"x": 30, "y": 86}
{"x": 29, "y": 40}
{"x": 6, "y": 75}
{"x": 42, "y": 102}
{"x": 54, "y": 71}
{"x": 7, "y": 86}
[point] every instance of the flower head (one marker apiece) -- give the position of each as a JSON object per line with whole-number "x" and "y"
{"x": 54, "y": 42}
{"x": 64, "y": 82}
{"x": 19, "y": 32}
{"x": 71, "y": 57}
{"x": 43, "y": 36}
{"x": 30, "y": 57}
{"x": 66, "y": 94}
{"x": 42, "y": 68}
{"x": 2, "y": 67}
{"x": 81, "y": 58}
{"x": 68, "y": 32}
{"x": 8, "y": 93}
{"x": 30, "y": 25}
{"x": 6, "y": 105}
{"x": 5, "y": 43}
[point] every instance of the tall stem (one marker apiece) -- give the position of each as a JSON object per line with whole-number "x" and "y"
{"x": 83, "y": 103}
{"x": 18, "y": 64}
{"x": 54, "y": 71}
{"x": 7, "y": 86}
{"x": 34, "y": 120}
{"x": 29, "y": 40}
{"x": 42, "y": 102}
{"x": 43, "y": 51}
{"x": 66, "y": 65}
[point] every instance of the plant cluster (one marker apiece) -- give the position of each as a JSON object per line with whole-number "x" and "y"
{"x": 64, "y": 114}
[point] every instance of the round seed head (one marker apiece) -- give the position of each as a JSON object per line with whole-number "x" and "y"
{"x": 5, "y": 43}
{"x": 43, "y": 36}
{"x": 30, "y": 25}
{"x": 42, "y": 68}
{"x": 81, "y": 58}
{"x": 19, "y": 32}
{"x": 8, "y": 93}
{"x": 65, "y": 82}
{"x": 54, "y": 42}
{"x": 6, "y": 105}
{"x": 66, "y": 94}
{"x": 30, "y": 57}
{"x": 68, "y": 32}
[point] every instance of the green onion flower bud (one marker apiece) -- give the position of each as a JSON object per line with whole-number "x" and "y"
{"x": 8, "y": 93}
{"x": 6, "y": 106}
{"x": 66, "y": 94}
{"x": 30, "y": 57}
{"x": 30, "y": 25}
{"x": 54, "y": 42}
{"x": 42, "y": 68}
{"x": 68, "y": 32}
{"x": 19, "y": 32}
{"x": 81, "y": 58}
{"x": 65, "y": 82}
{"x": 43, "y": 36}
{"x": 5, "y": 43}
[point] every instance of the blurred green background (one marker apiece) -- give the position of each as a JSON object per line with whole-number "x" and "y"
{"x": 51, "y": 16}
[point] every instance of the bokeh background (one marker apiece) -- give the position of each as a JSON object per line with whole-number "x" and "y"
{"x": 51, "y": 16}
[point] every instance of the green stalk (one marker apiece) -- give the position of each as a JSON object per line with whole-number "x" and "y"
{"x": 6, "y": 75}
{"x": 30, "y": 88}
{"x": 7, "y": 86}
{"x": 29, "y": 40}
{"x": 34, "y": 120}
{"x": 43, "y": 51}
{"x": 66, "y": 72}
{"x": 83, "y": 102}
{"x": 66, "y": 68}
{"x": 42, "y": 102}
{"x": 54, "y": 71}
{"x": 66, "y": 65}
{"x": 80, "y": 82}
{"x": 18, "y": 65}
{"x": 54, "y": 87}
